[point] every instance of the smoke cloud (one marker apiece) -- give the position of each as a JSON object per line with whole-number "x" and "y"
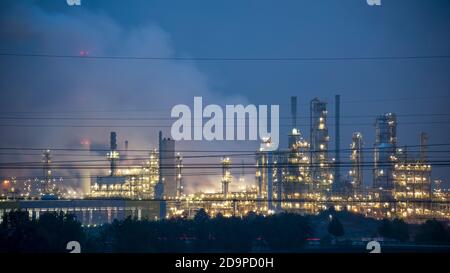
{"x": 108, "y": 95}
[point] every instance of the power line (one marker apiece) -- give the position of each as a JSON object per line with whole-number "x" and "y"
{"x": 173, "y": 118}
{"x": 169, "y": 126}
{"x": 231, "y": 59}
{"x": 253, "y": 155}
{"x": 233, "y": 166}
{"x": 204, "y": 151}
{"x": 231, "y": 154}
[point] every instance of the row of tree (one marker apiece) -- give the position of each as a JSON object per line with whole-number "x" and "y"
{"x": 50, "y": 233}
{"x": 284, "y": 232}
{"x": 281, "y": 232}
{"x": 432, "y": 231}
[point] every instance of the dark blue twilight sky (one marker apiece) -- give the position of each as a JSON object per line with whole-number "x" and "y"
{"x": 415, "y": 89}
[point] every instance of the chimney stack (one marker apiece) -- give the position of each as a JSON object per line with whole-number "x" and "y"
{"x": 113, "y": 154}
{"x": 337, "y": 171}
{"x": 294, "y": 111}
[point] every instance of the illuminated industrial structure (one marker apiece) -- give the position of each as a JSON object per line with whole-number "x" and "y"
{"x": 338, "y": 184}
{"x": 299, "y": 179}
{"x": 319, "y": 139}
{"x": 86, "y": 172}
{"x": 46, "y": 174}
{"x": 113, "y": 185}
{"x": 9, "y": 188}
{"x": 265, "y": 174}
{"x": 168, "y": 170}
{"x": 412, "y": 176}
{"x": 113, "y": 156}
{"x": 297, "y": 175}
{"x": 242, "y": 176}
{"x": 179, "y": 175}
{"x": 412, "y": 180}
{"x": 385, "y": 152}
{"x": 48, "y": 188}
{"x": 133, "y": 182}
{"x": 226, "y": 176}
{"x": 356, "y": 157}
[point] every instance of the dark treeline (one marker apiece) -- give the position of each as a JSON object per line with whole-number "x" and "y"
{"x": 284, "y": 232}
{"x": 48, "y": 234}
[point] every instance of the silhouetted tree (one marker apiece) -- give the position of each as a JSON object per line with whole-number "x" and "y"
{"x": 335, "y": 227}
{"x": 219, "y": 215}
{"x": 400, "y": 230}
{"x": 432, "y": 231}
{"x": 50, "y": 233}
{"x": 385, "y": 228}
{"x": 130, "y": 235}
{"x": 202, "y": 232}
{"x": 280, "y": 232}
{"x": 57, "y": 229}
{"x": 397, "y": 229}
{"x": 331, "y": 211}
{"x": 201, "y": 216}
{"x": 230, "y": 234}
{"x": 251, "y": 215}
{"x": 18, "y": 233}
{"x": 286, "y": 231}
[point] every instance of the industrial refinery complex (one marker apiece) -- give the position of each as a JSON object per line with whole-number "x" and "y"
{"x": 308, "y": 177}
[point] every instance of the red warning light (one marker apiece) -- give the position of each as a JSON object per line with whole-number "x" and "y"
{"x": 85, "y": 142}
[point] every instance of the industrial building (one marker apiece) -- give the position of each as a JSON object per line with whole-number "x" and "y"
{"x": 301, "y": 179}
{"x": 322, "y": 174}
{"x": 412, "y": 175}
{"x": 385, "y": 152}
{"x": 298, "y": 180}
{"x": 168, "y": 169}
{"x": 141, "y": 181}
{"x": 356, "y": 173}
{"x": 88, "y": 212}
{"x": 226, "y": 176}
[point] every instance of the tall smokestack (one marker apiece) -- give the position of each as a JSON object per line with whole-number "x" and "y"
{"x": 126, "y": 150}
{"x": 113, "y": 154}
{"x": 337, "y": 173}
{"x": 113, "y": 141}
{"x": 269, "y": 168}
{"x": 423, "y": 146}
{"x": 294, "y": 111}
{"x": 47, "y": 173}
{"x": 86, "y": 174}
{"x": 160, "y": 158}
{"x": 159, "y": 187}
